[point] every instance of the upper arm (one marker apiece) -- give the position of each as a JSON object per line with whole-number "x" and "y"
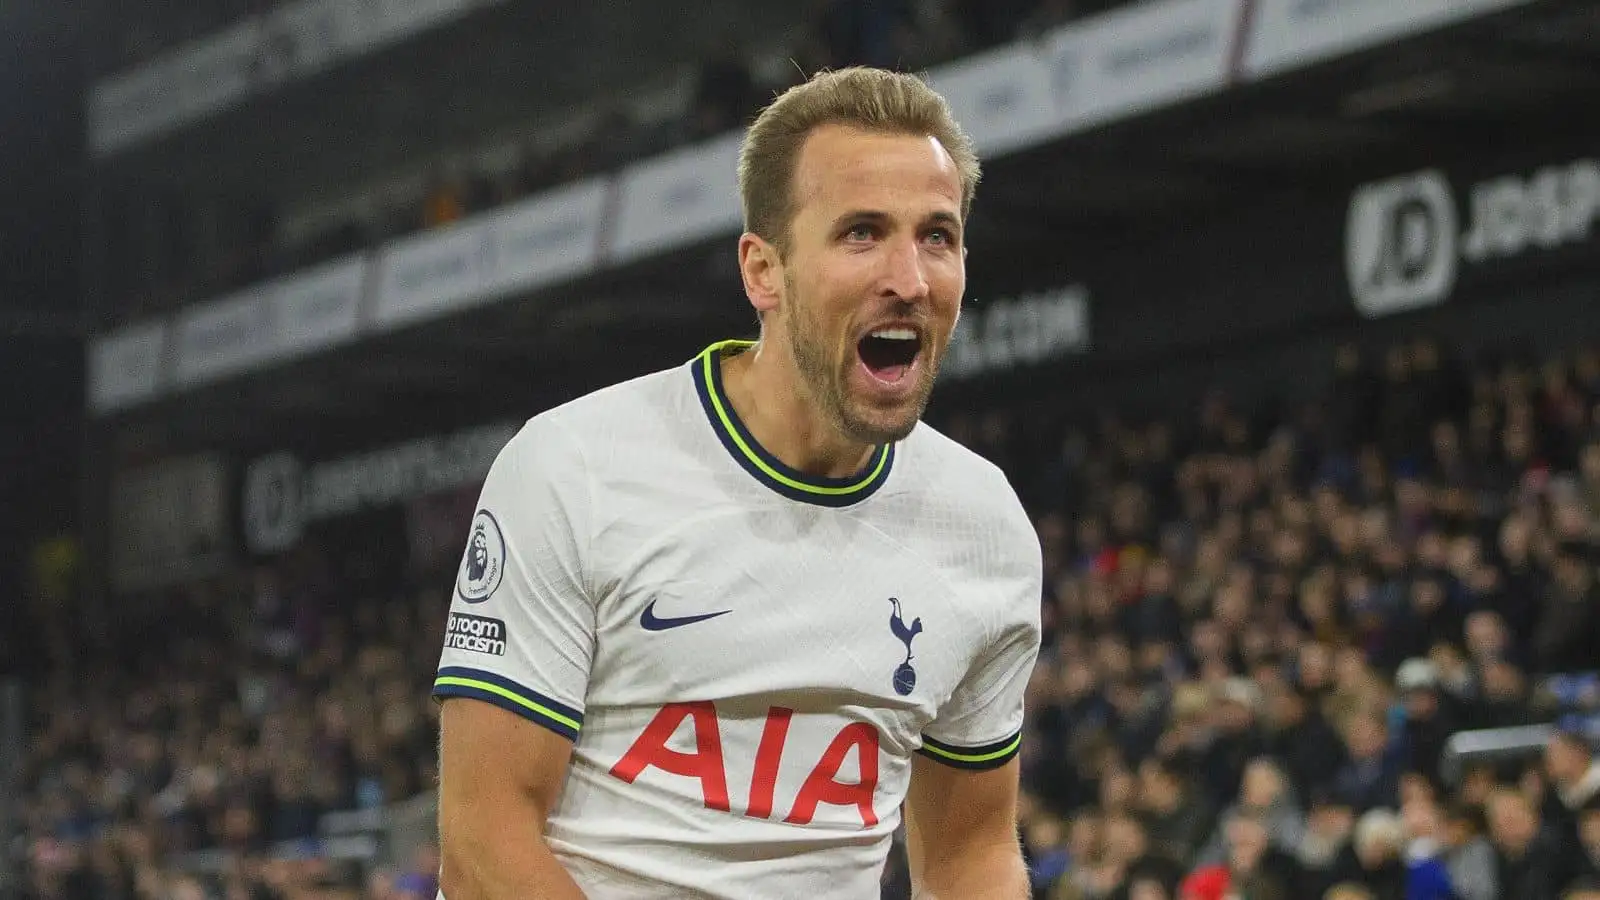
{"x": 952, "y": 813}
{"x": 964, "y": 779}
{"x": 493, "y": 763}
{"x": 520, "y": 638}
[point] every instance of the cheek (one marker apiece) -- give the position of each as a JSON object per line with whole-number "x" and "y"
{"x": 947, "y": 288}
{"x": 835, "y": 289}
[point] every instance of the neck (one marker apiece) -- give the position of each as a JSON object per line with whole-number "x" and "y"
{"x": 763, "y": 384}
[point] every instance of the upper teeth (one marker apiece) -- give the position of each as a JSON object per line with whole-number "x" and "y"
{"x": 895, "y": 334}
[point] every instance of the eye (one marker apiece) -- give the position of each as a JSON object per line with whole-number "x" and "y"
{"x": 941, "y": 236}
{"x": 860, "y": 232}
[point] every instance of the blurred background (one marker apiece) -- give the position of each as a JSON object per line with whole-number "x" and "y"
{"x": 1283, "y": 319}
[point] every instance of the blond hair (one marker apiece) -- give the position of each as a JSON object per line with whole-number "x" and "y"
{"x": 870, "y": 99}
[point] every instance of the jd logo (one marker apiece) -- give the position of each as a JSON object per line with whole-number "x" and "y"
{"x": 1400, "y": 244}
{"x": 1405, "y": 239}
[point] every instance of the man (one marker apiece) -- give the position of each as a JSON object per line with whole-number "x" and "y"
{"x": 739, "y": 611}
{"x": 1298, "y": 734}
{"x": 1251, "y": 868}
{"x": 1264, "y": 796}
{"x": 1128, "y": 851}
{"x": 1564, "y": 639}
{"x": 1371, "y": 777}
{"x": 1375, "y": 861}
{"x": 1527, "y": 858}
{"x": 1238, "y": 739}
{"x": 1574, "y": 772}
{"x": 1429, "y": 721}
{"x": 1175, "y": 815}
{"x": 1586, "y": 862}
{"x": 1468, "y": 855}
{"x": 1324, "y": 853}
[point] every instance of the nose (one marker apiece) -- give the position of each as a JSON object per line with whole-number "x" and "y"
{"x": 902, "y": 277}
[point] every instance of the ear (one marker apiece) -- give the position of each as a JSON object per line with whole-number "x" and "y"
{"x": 761, "y": 266}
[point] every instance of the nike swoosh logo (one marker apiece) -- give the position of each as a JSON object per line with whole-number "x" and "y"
{"x": 649, "y": 621}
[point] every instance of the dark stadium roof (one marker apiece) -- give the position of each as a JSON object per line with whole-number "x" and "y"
{"x": 1516, "y": 77}
{"x": 443, "y": 90}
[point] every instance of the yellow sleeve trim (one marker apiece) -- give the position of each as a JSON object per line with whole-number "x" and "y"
{"x": 497, "y": 690}
{"x": 1008, "y": 749}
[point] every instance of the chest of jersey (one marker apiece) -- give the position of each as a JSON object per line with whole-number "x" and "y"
{"x": 816, "y": 611}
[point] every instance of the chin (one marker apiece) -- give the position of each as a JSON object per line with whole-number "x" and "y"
{"x": 879, "y": 426}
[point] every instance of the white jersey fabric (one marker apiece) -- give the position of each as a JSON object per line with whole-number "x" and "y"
{"x": 744, "y": 656}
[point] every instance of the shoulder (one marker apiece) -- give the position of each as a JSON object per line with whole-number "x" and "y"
{"x": 593, "y": 414}
{"x": 976, "y": 521}
{"x": 586, "y": 430}
{"x": 972, "y": 486}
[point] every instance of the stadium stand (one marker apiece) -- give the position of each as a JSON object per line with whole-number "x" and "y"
{"x": 1261, "y": 632}
{"x": 726, "y": 91}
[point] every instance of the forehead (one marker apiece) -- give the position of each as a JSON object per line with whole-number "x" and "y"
{"x": 846, "y": 167}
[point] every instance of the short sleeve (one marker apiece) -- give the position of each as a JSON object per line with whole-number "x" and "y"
{"x": 980, "y": 725}
{"x": 521, "y": 631}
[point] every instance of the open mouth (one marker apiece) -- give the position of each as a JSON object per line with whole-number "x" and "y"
{"x": 889, "y": 353}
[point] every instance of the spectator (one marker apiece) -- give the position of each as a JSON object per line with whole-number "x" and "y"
{"x": 1128, "y": 857}
{"x": 1299, "y": 735}
{"x": 1427, "y": 865}
{"x": 1426, "y": 722}
{"x": 1586, "y": 859}
{"x": 1503, "y": 697}
{"x": 1525, "y": 583}
{"x": 1527, "y": 860}
{"x": 1371, "y": 778}
{"x": 1176, "y": 817}
{"x": 1429, "y": 615}
{"x": 1468, "y": 854}
{"x": 1237, "y": 740}
{"x": 1044, "y": 845}
{"x": 1264, "y": 796}
{"x": 1574, "y": 777}
{"x": 1379, "y": 842}
{"x": 1251, "y": 868}
{"x": 1324, "y": 847}
{"x": 1569, "y": 619}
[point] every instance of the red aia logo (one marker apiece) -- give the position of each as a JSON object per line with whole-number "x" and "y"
{"x": 705, "y": 763}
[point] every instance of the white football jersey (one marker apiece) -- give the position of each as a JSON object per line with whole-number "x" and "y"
{"x": 744, "y": 656}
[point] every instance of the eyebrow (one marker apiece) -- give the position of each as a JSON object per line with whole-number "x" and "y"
{"x": 940, "y": 217}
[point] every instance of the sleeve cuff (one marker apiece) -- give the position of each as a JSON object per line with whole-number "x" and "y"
{"x": 988, "y": 756}
{"x": 456, "y": 681}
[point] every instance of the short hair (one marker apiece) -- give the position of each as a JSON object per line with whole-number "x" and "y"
{"x": 1468, "y": 814}
{"x": 1167, "y": 768}
{"x": 870, "y": 99}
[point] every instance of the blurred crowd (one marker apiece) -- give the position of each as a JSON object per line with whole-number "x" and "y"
{"x": 161, "y": 256}
{"x": 1261, "y": 629}
{"x": 197, "y": 759}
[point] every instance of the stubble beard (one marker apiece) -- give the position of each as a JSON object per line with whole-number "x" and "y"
{"x": 825, "y": 380}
